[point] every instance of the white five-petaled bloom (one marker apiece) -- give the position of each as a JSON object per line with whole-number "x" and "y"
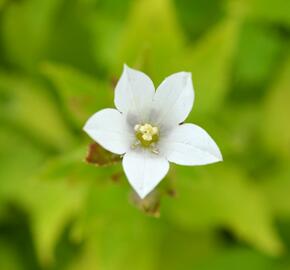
{"x": 146, "y": 128}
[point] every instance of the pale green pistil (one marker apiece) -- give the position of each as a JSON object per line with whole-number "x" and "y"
{"x": 146, "y": 134}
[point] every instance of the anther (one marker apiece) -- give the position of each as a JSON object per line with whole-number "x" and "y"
{"x": 146, "y": 134}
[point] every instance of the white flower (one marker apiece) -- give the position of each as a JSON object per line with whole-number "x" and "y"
{"x": 147, "y": 129}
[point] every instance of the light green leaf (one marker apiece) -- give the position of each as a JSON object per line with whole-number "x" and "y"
{"x": 9, "y": 258}
{"x": 110, "y": 15}
{"x": 19, "y": 158}
{"x": 27, "y": 104}
{"x": 81, "y": 94}
{"x": 49, "y": 204}
{"x": 116, "y": 232}
{"x": 26, "y": 28}
{"x": 183, "y": 249}
{"x": 151, "y": 39}
{"x": 240, "y": 258}
{"x": 269, "y": 10}
{"x": 223, "y": 196}
{"x": 276, "y": 189}
{"x": 258, "y": 48}
{"x": 52, "y": 204}
{"x": 275, "y": 127}
{"x": 72, "y": 166}
{"x": 196, "y": 17}
{"x": 210, "y": 61}
{"x": 2, "y": 3}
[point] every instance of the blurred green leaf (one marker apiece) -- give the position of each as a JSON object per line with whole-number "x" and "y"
{"x": 9, "y": 258}
{"x": 2, "y": 3}
{"x": 275, "y": 128}
{"x": 259, "y": 51}
{"x": 192, "y": 249}
{"x": 270, "y": 10}
{"x": 240, "y": 259}
{"x": 73, "y": 167}
{"x": 81, "y": 94}
{"x": 210, "y": 61}
{"x": 50, "y": 204}
{"x": 151, "y": 39}
{"x": 116, "y": 235}
{"x": 71, "y": 39}
{"x": 27, "y": 104}
{"x": 16, "y": 246}
{"x": 105, "y": 21}
{"x": 276, "y": 189}
{"x": 222, "y": 196}
{"x": 26, "y": 27}
{"x": 198, "y": 16}
{"x": 65, "y": 165}
{"x": 19, "y": 159}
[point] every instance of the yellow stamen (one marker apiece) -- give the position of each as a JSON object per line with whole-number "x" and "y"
{"x": 146, "y": 134}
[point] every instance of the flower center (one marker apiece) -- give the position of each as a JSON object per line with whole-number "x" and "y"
{"x": 146, "y": 134}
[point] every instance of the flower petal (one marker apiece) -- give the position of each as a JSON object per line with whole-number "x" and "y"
{"x": 144, "y": 170}
{"x": 174, "y": 99}
{"x": 109, "y": 128}
{"x": 134, "y": 93}
{"x": 189, "y": 144}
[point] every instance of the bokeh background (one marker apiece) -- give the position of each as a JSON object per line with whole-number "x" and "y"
{"x": 59, "y": 62}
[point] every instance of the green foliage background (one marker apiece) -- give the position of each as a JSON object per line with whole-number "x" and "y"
{"x": 59, "y": 60}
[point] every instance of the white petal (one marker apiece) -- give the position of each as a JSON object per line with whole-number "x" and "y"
{"x": 144, "y": 170}
{"x": 134, "y": 93}
{"x": 189, "y": 144}
{"x": 108, "y": 127}
{"x": 174, "y": 99}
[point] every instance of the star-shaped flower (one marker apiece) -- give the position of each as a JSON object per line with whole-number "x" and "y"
{"x": 147, "y": 128}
